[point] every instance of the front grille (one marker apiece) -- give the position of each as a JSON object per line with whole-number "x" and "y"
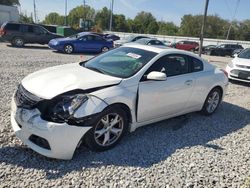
{"x": 25, "y": 99}
{"x": 243, "y": 66}
{"x": 245, "y": 75}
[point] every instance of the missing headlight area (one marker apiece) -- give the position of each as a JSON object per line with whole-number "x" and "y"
{"x": 75, "y": 109}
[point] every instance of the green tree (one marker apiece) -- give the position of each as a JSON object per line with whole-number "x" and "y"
{"x": 243, "y": 32}
{"x": 167, "y": 28}
{"x": 79, "y": 12}
{"x": 120, "y": 24}
{"x": 143, "y": 20}
{"x": 102, "y": 18}
{"x": 216, "y": 27}
{"x": 9, "y": 2}
{"x": 54, "y": 19}
{"x": 25, "y": 19}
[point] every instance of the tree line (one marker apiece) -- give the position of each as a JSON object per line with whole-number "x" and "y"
{"x": 146, "y": 23}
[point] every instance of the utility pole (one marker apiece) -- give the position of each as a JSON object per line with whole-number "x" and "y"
{"x": 65, "y": 16}
{"x": 203, "y": 27}
{"x": 111, "y": 15}
{"x": 84, "y": 16}
{"x": 34, "y": 2}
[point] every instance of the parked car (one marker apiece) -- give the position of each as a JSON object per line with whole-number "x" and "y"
{"x": 81, "y": 42}
{"x": 224, "y": 49}
{"x": 167, "y": 42}
{"x": 204, "y": 48}
{"x": 151, "y": 42}
{"x": 185, "y": 45}
{"x": 111, "y": 36}
{"x": 99, "y": 100}
{"x": 131, "y": 38}
{"x": 239, "y": 67}
{"x": 19, "y": 34}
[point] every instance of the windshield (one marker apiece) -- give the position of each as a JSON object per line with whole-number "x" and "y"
{"x": 245, "y": 54}
{"x": 121, "y": 62}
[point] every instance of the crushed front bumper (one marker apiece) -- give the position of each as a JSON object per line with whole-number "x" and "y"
{"x": 54, "y": 140}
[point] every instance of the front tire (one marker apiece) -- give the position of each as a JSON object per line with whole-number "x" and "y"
{"x": 105, "y": 49}
{"x": 68, "y": 49}
{"x": 107, "y": 130}
{"x": 212, "y": 101}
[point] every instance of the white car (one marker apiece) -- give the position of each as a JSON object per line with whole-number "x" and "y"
{"x": 97, "y": 101}
{"x": 239, "y": 67}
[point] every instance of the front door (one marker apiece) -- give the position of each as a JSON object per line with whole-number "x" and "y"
{"x": 162, "y": 98}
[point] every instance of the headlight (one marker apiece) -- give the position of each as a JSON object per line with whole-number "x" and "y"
{"x": 67, "y": 106}
{"x": 231, "y": 64}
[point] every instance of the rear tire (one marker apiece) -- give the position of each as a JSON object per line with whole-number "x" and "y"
{"x": 18, "y": 42}
{"x": 68, "y": 49}
{"x": 108, "y": 129}
{"x": 212, "y": 102}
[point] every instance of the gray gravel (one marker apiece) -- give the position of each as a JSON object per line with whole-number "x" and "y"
{"x": 188, "y": 151}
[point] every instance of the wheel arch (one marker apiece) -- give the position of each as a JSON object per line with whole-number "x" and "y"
{"x": 123, "y": 107}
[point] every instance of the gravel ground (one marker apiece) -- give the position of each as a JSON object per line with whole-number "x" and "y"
{"x": 188, "y": 151}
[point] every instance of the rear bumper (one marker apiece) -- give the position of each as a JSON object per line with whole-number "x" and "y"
{"x": 61, "y": 138}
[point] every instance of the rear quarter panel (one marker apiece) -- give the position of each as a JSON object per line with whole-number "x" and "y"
{"x": 206, "y": 80}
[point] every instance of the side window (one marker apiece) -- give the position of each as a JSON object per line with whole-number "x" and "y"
{"x": 38, "y": 30}
{"x": 197, "y": 65}
{"x": 172, "y": 65}
{"x": 12, "y": 27}
{"x": 27, "y": 28}
{"x": 97, "y": 38}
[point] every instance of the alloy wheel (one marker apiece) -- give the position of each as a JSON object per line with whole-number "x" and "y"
{"x": 213, "y": 101}
{"x": 68, "y": 49}
{"x": 109, "y": 129}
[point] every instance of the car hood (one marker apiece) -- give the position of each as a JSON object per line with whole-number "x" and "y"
{"x": 50, "y": 82}
{"x": 241, "y": 61}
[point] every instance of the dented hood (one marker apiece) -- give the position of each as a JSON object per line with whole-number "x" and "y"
{"x": 50, "y": 82}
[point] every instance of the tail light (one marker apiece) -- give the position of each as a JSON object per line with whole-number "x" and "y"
{"x": 2, "y": 32}
{"x": 225, "y": 72}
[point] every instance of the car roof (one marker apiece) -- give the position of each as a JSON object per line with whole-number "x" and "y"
{"x": 156, "y": 49}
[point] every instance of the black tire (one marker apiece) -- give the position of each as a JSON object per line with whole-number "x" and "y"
{"x": 18, "y": 42}
{"x": 93, "y": 138}
{"x": 214, "y": 97}
{"x": 105, "y": 49}
{"x": 68, "y": 49}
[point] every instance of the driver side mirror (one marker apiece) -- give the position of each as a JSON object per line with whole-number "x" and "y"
{"x": 159, "y": 76}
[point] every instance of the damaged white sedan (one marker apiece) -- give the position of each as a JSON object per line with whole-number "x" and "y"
{"x": 97, "y": 101}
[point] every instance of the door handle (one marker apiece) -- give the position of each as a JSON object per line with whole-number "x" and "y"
{"x": 189, "y": 82}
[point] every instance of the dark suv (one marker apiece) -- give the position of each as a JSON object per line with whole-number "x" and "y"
{"x": 19, "y": 34}
{"x": 224, "y": 49}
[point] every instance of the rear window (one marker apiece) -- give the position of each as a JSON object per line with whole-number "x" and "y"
{"x": 12, "y": 27}
{"x": 197, "y": 65}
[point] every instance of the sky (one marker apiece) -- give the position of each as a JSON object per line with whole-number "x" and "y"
{"x": 165, "y": 10}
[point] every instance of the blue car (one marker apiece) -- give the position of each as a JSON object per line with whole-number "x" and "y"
{"x": 81, "y": 42}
